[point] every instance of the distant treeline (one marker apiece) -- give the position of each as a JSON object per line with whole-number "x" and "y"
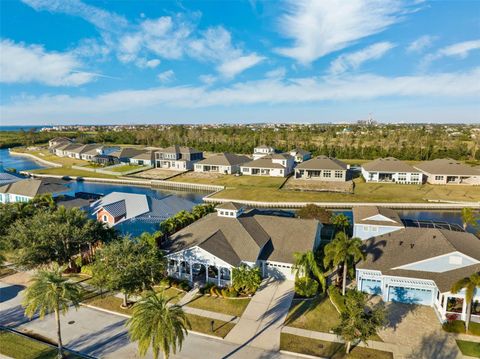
{"x": 406, "y": 142}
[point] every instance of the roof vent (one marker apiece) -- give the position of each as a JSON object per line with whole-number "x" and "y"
{"x": 412, "y": 245}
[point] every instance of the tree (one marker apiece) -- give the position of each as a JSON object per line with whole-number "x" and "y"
{"x": 307, "y": 265}
{"x": 246, "y": 279}
{"x": 341, "y": 222}
{"x": 311, "y": 211}
{"x": 130, "y": 266}
{"x": 469, "y": 284}
{"x": 154, "y": 323}
{"x": 469, "y": 218}
{"x": 359, "y": 321}
{"x": 342, "y": 250}
{"x": 50, "y": 292}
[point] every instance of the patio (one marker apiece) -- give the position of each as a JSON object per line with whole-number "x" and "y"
{"x": 199, "y": 272}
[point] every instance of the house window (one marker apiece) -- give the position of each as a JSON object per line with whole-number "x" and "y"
{"x": 338, "y": 174}
{"x": 438, "y": 178}
{"x": 244, "y": 169}
{"x": 327, "y": 174}
{"x": 366, "y": 228}
{"x": 105, "y": 218}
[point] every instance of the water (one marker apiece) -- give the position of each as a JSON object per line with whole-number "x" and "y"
{"x": 18, "y": 128}
{"x": 20, "y": 163}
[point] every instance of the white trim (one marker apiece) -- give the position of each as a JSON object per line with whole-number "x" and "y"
{"x": 436, "y": 257}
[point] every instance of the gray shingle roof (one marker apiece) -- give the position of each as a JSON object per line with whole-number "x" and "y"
{"x": 300, "y": 151}
{"x": 33, "y": 187}
{"x": 224, "y": 159}
{"x": 126, "y": 152}
{"x": 361, "y": 213}
{"x": 145, "y": 155}
{"x": 447, "y": 166}
{"x": 116, "y": 209}
{"x": 388, "y": 164}
{"x": 264, "y": 162}
{"x": 219, "y": 246}
{"x": 323, "y": 163}
{"x": 234, "y": 206}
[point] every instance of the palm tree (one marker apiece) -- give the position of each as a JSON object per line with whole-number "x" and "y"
{"x": 157, "y": 324}
{"x": 341, "y": 221}
{"x": 469, "y": 218}
{"x": 50, "y": 292}
{"x": 306, "y": 264}
{"x": 470, "y": 284}
{"x": 342, "y": 250}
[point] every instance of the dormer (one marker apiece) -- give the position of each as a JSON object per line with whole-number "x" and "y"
{"x": 230, "y": 210}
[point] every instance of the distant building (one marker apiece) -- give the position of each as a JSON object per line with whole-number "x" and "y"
{"x": 262, "y": 150}
{"x": 391, "y": 170}
{"x": 125, "y": 154}
{"x": 58, "y": 141}
{"x": 176, "y": 157}
{"x": 276, "y": 165}
{"x": 322, "y": 168}
{"x": 25, "y": 190}
{"x": 371, "y": 221}
{"x": 300, "y": 155}
{"x": 225, "y": 163}
{"x": 448, "y": 171}
{"x": 82, "y": 152}
{"x": 146, "y": 158}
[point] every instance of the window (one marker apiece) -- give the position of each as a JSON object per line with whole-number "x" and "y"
{"x": 338, "y": 174}
{"x": 105, "y": 218}
{"x": 366, "y": 228}
{"x": 327, "y": 174}
{"x": 438, "y": 178}
{"x": 244, "y": 169}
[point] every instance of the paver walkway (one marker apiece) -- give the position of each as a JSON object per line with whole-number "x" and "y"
{"x": 261, "y": 322}
{"x": 188, "y": 297}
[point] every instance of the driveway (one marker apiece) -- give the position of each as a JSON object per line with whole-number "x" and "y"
{"x": 417, "y": 332}
{"x": 261, "y": 322}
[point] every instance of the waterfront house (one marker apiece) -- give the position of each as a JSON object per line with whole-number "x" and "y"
{"x": 300, "y": 155}
{"x": 391, "y": 170}
{"x": 276, "y": 165}
{"x": 419, "y": 266}
{"x": 263, "y": 150}
{"x": 85, "y": 152}
{"x": 225, "y": 163}
{"x": 146, "y": 158}
{"x": 180, "y": 158}
{"x": 8, "y": 177}
{"x": 57, "y": 142}
{"x": 133, "y": 213}
{"x": 448, "y": 171}
{"x": 208, "y": 249}
{"x": 125, "y": 154}
{"x": 322, "y": 168}
{"x": 24, "y": 190}
{"x": 370, "y": 221}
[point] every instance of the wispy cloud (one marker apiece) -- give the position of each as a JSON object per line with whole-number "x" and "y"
{"x": 166, "y": 76}
{"x": 353, "y": 60}
{"x": 277, "y": 73}
{"x": 420, "y": 44}
{"x": 460, "y": 50}
{"x": 322, "y": 27}
{"x": 232, "y": 68}
{"x": 20, "y": 63}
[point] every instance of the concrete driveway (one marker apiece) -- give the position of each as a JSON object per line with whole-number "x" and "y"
{"x": 417, "y": 332}
{"x": 261, "y": 322}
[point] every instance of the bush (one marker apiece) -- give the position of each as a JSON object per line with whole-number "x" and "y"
{"x": 306, "y": 287}
{"x": 214, "y": 291}
{"x": 454, "y": 326}
{"x": 87, "y": 269}
{"x": 79, "y": 262}
{"x": 336, "y": 298}
{"x": 206, "y": 288}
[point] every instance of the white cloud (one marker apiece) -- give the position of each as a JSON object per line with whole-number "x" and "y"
{"x": 321, "y": 27}
{"x": 153, "y": 63}
{"x": 420, "y": 44}
{"x": 207, "y": 79}
{"x": 20, "y": 63}
{"x": 232, "y": 68}
{"x": 279, "y": 72}
{"x": 166, "y": 76}
{"x": 460, "y": 50}
{"x": 452, "y": 85}
{"x": 354, "y": 60}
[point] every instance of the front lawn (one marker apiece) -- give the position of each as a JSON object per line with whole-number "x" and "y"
{"x": 171, "y": 292}
{"x": 204, "y": 325}
{"x": 124, "y": 168}
{"x": 469, "y": 348}
{"x": 108, "y": 302}
{"x": 318, "y": 314}
{"x": 230, "y": 181}
{"x": 458, "y": 326}
{"x": 233, "y": 307}
{"x": 308, "y": 346}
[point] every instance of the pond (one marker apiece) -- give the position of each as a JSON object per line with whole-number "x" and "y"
{"x": 20, "y": 163}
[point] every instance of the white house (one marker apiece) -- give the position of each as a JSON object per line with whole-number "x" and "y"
{"x": 276, "y": 165}
{"x": 25, "y": 190}
{"x": 300, "y": 155}
{"x": 208, "y": 249}
{"x": 82, "y": 152}
{"x": 370, "y": 221}
{"x": 448, "y": 171}
{"x": 420, "y": 266}
{"x": 391, "y": 170}
{"x": 178, "y": 158}
{"x": 224, "y": 163}
{"x": 322, "y": 168}
{"x": 262, "y": 150}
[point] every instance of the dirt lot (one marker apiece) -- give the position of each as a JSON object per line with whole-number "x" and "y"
{"x": 318, "y": 186}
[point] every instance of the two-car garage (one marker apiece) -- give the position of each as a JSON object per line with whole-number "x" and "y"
{"x": 410, "y": 295}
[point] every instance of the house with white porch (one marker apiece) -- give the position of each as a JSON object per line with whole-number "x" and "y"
{"x": 263, "y": 150}
{"x": 322, "y": 168}
{"x": 180, "y": 158}
{"x": 208, "y": 249}
{"x": 420, "y": 266}
{"x": 25, "y": 189}
{"x": 224, "y": 163}
{"x": 391, "y": 170}
{"x": 448, "y": 171}
{"x": 371, "y": 221}
{"x": 276, "y": 165}
{"x": 300, "y": 155}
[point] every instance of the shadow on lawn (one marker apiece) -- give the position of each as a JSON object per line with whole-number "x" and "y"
{"x": 304, "y": 308}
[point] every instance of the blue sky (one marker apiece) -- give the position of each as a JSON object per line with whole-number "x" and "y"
{"x": 106, "y": 62}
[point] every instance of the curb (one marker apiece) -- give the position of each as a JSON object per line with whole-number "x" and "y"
{"x": 300, "y": 355}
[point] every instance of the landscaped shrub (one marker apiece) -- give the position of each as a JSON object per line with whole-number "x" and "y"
{"x": 87, "y": 269}
{"x": 206, "y": 288}
{"x": 454, "y": 326}
{"x": 336, "y": 298}
{"x": 306, "y": 287}
{"x": 215, "y": 291}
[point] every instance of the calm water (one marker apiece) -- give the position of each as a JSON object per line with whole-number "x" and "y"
{"x": 17, "y": 162}
{"x": 18, "y": 128}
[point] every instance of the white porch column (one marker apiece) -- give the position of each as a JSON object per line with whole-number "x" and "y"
{"x": 191, "y": 271}
{"x": 180, "y": 270}
{"x": 206, "y": 272}
{"x": 464, "y": 309}
{"x": 444, "y": 307}
{"x": 218, "y": 275}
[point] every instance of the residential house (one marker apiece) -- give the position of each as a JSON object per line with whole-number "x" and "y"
{"x": 322, "y": 168}
{"x": 105, "y": 160}
{"x": 85, "y": 152}
{"x": 176, "y": 157}
{"x": 263, "y": 150}
{"x": 420, "y": 266}
{"x": 146, "y": 158}
{"x": 124, "y": 154}
{"x": 24, "y": 190}
{"x": 8, "y": 177}
{"x": 391, "y": 170}
{"x": 208, "y": 249}
{"x": 448, "y": 171}
{"x": 133, "y": 213}
{"x": 225, "y": 163}
{"x": 300, "y": 155}
{"x": 57, "y": 142}
{"x": 371, "y": 221}
{"x": 276, "y": 165}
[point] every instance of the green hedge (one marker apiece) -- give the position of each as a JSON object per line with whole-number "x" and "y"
{"x": 336, "y": 297}
{"x": 306, "y": 287}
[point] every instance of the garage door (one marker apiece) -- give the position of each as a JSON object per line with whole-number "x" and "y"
{"x": 279, "y": 271}
{"x": 371, "y": 286}
{"x": 410, "y": 295}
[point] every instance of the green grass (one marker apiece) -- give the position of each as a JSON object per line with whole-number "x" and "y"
{"x": 231, "y": 181}
{"x": 318, "y": 314}
{"x": 203, "y": 325}
{"x": 108, "y": 302}
{"x": 124, "y": 168}
{"x": 469, "y": 348}
{"x": 67, "y": 171}
{"x": 171, "y": 292}
{"x": 45, "y": 155}
{"x": 364, "y": 192}
{"x": 458, "y": 326}
{"x": 233, "y": 307}
{"x": 19, "y": 347}
{"x": 302, "y": 345}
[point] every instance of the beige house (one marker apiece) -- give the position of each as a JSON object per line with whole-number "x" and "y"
{"x": 391, "y": 170}
{"x": 276, "y": 165}
{"x": 448, "y": 171}
{"x": 226, "y": 163}
{"x": 322, "y": 168}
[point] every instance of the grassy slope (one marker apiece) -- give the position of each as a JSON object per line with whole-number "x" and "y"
{"x": 469, "y": 348}
{"x": 318, "y": 314}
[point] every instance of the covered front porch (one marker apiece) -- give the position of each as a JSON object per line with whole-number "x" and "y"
{"x": 454, "y": 307}
{"x": 200, "y": 272}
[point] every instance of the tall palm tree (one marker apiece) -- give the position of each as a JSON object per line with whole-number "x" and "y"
{"x": 469, "y": 217}
{"x": 341, "y": 222}
{"x": 157, "y": 324}
{"x": 342, "y": 250}
{"x": 50, "y": 292}
{"x": 469, "y": 284}
{"x": 307, "y": 263}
